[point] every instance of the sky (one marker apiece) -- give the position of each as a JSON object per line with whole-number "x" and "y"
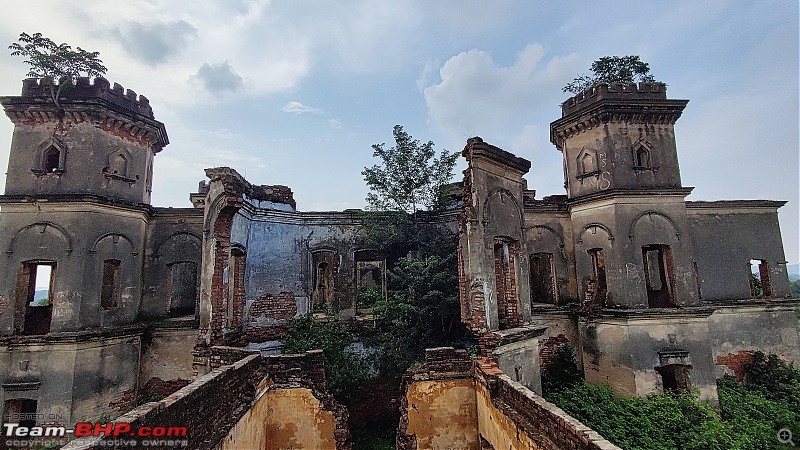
{"x": 295, "y": 92}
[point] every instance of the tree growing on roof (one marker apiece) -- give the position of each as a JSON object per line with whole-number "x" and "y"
{"x": 58, "y": 62}
{"x": 612, "y": 69}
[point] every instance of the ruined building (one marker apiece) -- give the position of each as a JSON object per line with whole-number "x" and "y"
{"x": 107, "y": 302}
{"x": 654, "y": 292}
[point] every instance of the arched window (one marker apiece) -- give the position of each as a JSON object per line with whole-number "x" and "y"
{"x": 52, "y": 159}
{"x": 588, "y": 164}
{"x": 642, "y": 158}
{"x": 119, "y": 165}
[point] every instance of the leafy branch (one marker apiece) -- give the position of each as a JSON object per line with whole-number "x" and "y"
{"x": 59, "y": 62}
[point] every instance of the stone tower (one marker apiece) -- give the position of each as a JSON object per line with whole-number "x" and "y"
{"x": 633, "y": 250}
{"x": 627, "y": 204}
{"x": 73, "y": 231}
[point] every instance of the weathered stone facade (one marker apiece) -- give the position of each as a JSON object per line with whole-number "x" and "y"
{"x": 77, "y": 227}
{"x": 660, "y": 288}
{"x": 107, "y": 302}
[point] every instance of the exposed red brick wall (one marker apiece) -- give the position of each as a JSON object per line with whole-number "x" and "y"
{"x": 736, "y": 362}
{"x": 210, "y": 406}
{"x": 549, "y": 347}
{"x": 506, "y": 285}
{"x": 537, "y": 417}
{"x": 125, "y": 402}
{"x": 156, "y": 387}
{"x": 280, "y": 307}
{"x": 532, "y": 415}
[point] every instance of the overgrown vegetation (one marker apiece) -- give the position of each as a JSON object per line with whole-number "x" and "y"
{"x": 750, "y": 414}
{"x": 562, "y": 372}
{"x": 58, "y": 62}
{"x": 345, "y": 367}
{"x": 795, "y": 288}
{"x": 421, "y": 307}
{"x": 612, "y": 69}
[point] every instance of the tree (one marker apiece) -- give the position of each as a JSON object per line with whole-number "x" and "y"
{"x": 345, "y": 368}
{"x": 410, "y": 175}
{"x": 421, "y": 308}
{"x": 612, "y": 69}
{"x": 58, "y": 62}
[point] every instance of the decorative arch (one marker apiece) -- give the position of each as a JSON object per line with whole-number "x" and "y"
{"x": 50, "y": 156}
{"x": 45, "y": 225}
{"x": 238, "y": 249}
{"x": 650, "y": 214}
{"x": 327, "y": 248}
{"x": 487, "y": 209}
{"x": 551, "y": 230}
{"x": 157, "y": 252}
{"x": 642, "y": 155}
{"x": 115, "y": 237}
{"x": 586, "y": 162}
{"x": 594, "y": 226}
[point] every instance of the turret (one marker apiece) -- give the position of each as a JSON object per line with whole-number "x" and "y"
{"x": 96, "y": 139}
{"x": 619, "y": 137}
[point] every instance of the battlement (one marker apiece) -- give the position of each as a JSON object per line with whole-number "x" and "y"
{"x": 614, "y": 91}
{"x": 83, "y": 89}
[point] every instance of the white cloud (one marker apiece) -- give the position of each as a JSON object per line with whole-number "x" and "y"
{"x": 476, "y": 96}
{"x": 299, "y": 108}
{"x": 335, "y": 124}
{"x": 219, "y": 78}
{"x": 154, "y": 43}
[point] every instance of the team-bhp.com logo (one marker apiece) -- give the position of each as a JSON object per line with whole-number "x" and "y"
{"x": 122, "y": 434}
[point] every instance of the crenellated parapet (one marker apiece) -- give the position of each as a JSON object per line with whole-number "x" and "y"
{"x": 84, "y": 89}
{"x": 615, "y": 91}
{"x": 645, "y": 103}
{"x": 114, "y": 109}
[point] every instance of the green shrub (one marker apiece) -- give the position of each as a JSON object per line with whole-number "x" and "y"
{"x": 562, "y": 372}
{"x": 655, "y": 422}
{"x": 366, "y": 297}
{"x": 749, "y": 416}
{"x": 345, "y": 369}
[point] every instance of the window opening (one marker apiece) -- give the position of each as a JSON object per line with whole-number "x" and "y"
{"x": 760, "y": 285}
{"x": 642, "y": 158}
{"x": 370, "y": 279}
{"x": 36, "y": 290}
{"x": 21, "y": 411}
{"x": 542, "y": 278}
{"x": 505, "y": 284}
{"x": 182, "y": 288}
{"x": 599, "y": 290}
{"x": 109, "y": 296}
{"x": 675, "y": 377}
{"x": 324, "y": 270}
{"x": 52, "y": 159}
{"x": 659, "y": 275}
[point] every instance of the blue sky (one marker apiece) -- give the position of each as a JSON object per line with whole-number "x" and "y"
{"x": 295, "y": 92}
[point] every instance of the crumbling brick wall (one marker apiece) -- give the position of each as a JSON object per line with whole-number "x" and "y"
{"x": 214, "y": 403}
{"x": 525, "y": 416}
{"x": 281, "y": 306}
{"x": 736, "y": 362}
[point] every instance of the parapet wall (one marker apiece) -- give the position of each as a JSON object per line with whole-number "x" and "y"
{"x": 84, "y": 90}
{"x": 453, "y": 401}
{"x": 216, "y": 407}
{"x": 614, "y": 91}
